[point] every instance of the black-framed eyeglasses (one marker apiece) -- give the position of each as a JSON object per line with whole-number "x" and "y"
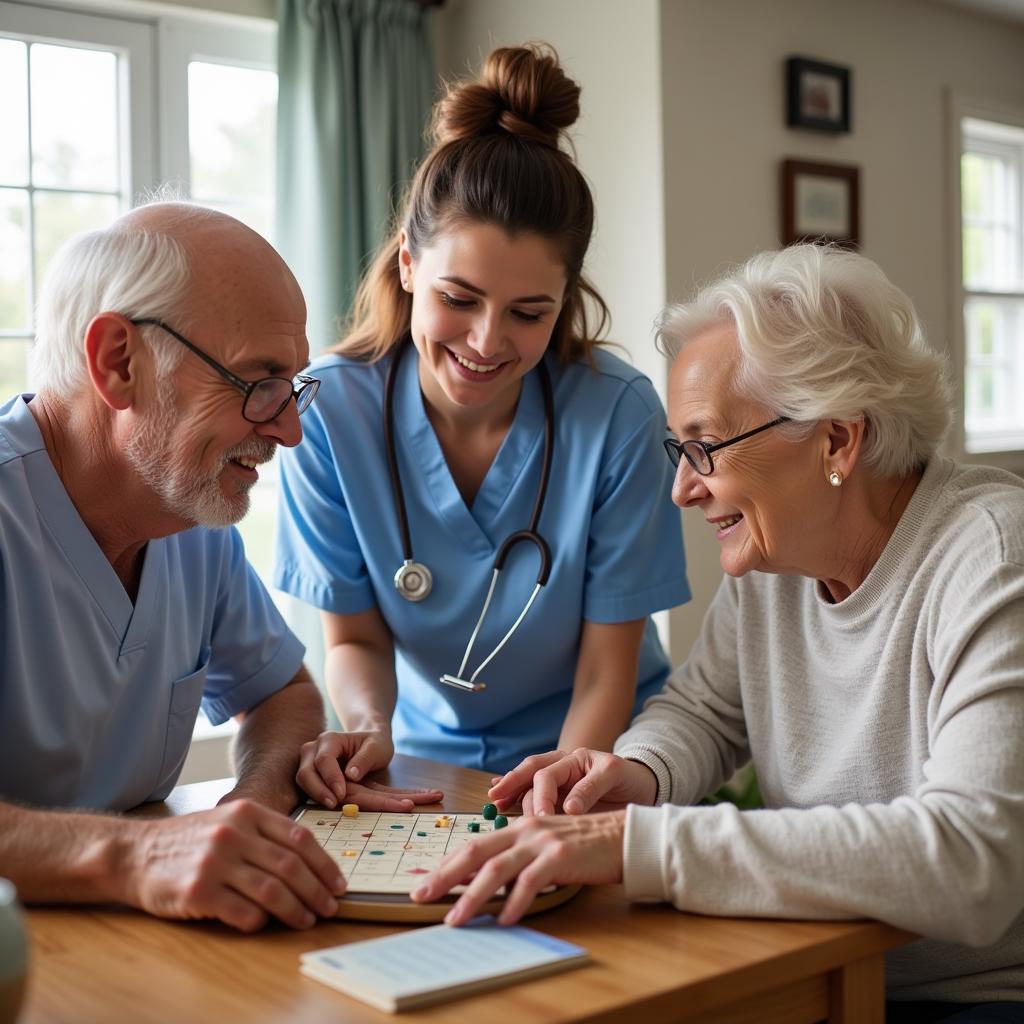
{"x": 698, "y": 453}
{"x": 266, "y": 398}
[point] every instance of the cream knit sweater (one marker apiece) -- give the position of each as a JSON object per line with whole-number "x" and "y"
{"x": 888, "y": 736}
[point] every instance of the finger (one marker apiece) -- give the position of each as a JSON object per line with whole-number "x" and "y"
{"x": 528, "y": 811}
{"x": 308, "y": 778}
{"x": 372, "y": 800}
{"x": 289, "y": 834}
{"x": 497, "y": 872}
{"x": 417, "y": 796}
{"x": 367, "y": 758}
{"x": 532, "y": 878}
{"x": 302, "y": 883}
{"x": 270, "y": 893}
{"x": 327, "y": 767}
{"x": 514, "y": 783}
{"x": 586, "y": 793}
{"x": 459, "y": 867}
{"x": 238, "y": 912}
{"x": 549, "y": 782}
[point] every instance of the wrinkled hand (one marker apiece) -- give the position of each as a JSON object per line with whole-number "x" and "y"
{"x": 239, "y": 863}
{"x": 320, "y": 772}
{"x": 585, "y": 780}
{"x": 529, "y": 855}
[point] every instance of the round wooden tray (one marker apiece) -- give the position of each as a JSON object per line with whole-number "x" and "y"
{"x": 370, "y": 906}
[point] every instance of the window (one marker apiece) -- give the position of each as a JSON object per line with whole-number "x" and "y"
{"x": 992, "y": 273}
{"x": 202, "y": 92}
{"x": 70, "y": 158}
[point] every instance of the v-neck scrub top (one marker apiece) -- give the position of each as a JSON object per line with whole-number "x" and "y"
{"x": 98, "y": 697}
{"x": 615, "y": 541}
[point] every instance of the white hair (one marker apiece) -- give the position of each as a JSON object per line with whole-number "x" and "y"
{"x": 824, "y": 334}
{"x": 120, "y": 269}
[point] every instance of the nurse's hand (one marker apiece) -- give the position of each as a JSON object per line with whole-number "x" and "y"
{"x": 585, "y": 780}
{"x": 320, "y": 773}
{"x": 530, "y": 855}
{"x": 239, "y": 863}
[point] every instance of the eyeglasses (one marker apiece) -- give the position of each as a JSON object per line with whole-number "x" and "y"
{"x": 698, "y": 453}
{"x": 266, "y": 398}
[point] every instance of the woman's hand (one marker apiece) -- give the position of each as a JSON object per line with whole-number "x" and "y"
{"x": 529, "y": 856}
{"x": 320, "y": 772}
{"x": 576, "y": 783}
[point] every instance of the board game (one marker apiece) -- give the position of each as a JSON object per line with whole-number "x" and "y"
{"x": 384, "y": 856}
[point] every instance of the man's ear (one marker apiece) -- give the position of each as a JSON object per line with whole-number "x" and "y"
{"x": 114, "y": 354}
{"x": 844, "y": 442}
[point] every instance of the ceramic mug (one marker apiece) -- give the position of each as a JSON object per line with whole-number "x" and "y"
{"x": 13, "y": 953}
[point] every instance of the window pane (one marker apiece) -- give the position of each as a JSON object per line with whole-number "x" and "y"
{"x": 74, "y": 118}
{"x": 994, "y": 332}
{"x": 990, "y": 258}
{"x": 13, "y": 367}
{"x": 232, "y": 114}
{"x": 61, "y": 214}
{"x": 15, "y": 304}
{"x": 13, "y": 112}
{"x": 987, "y": 186}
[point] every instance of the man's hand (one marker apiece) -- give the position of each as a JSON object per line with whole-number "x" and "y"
{"x": 239, "y": 863}
{"x": 530, "y": 855}
{"x": 320, "y": 773}
{"x": 582, "y": 781}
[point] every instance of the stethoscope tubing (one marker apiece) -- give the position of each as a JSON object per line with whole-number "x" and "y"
{"x": 420, "y": 575}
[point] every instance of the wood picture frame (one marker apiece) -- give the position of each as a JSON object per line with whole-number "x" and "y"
{"x": 817, "y": 95}
{"x": 820, "y": 203}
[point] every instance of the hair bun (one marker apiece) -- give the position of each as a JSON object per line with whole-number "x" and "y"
{"x": 521, "y": 90}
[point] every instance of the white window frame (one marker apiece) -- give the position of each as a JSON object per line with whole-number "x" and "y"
{"x": 180, "y": 44}
{"x": 959, "y": 108}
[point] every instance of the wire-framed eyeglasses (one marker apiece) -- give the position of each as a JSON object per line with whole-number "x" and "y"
{"x": 266, "y": 398}
{"x": 698, "y": 453}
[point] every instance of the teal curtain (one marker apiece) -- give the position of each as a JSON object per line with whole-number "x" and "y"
{"x": 355, "y": 88}
{"x": 356, "y": 84}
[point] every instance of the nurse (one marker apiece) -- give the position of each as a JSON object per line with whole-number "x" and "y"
{"x": 434, "y": 410}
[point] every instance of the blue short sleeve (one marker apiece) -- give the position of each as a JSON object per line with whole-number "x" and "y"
{"x": 253, "y": 653}
{"x": 635, "y": 560}
{"x": 319, "y": 557}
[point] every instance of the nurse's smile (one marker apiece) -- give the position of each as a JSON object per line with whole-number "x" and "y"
{"x": 475, "y": 369}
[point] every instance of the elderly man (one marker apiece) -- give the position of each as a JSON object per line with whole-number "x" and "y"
{"x": 169, "y": 348}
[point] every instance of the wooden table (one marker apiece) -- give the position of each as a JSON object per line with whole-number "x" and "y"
{"x": 651, "y": 962}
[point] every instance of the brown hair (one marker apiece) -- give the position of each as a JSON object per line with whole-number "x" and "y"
{"x": 496, "y": 160}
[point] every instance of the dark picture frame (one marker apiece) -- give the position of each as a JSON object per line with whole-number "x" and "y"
{"x": 817, "y": 95}
{"x": 820, "y": 203}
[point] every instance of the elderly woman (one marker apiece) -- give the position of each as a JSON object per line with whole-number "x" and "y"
{"x": 865, "y": 650}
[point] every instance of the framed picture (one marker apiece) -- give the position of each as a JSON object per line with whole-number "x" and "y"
{"x": 817, "y": 95}
{"x": 820, "y": 203}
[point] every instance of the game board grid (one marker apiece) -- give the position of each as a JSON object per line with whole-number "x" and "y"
{"x": 405, "y": 857}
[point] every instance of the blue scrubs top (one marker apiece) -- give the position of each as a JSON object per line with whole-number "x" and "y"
{"x": 98, "y": 697}
{"x": 615, "y": 541}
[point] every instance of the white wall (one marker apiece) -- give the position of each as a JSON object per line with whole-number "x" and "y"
{"x": 725, "y": 135}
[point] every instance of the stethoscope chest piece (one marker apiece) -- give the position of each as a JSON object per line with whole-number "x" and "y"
{"x": 413, "y": 580}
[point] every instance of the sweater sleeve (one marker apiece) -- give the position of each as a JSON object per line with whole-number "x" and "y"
{"x": 692, "y": 735}
{"x": 943, "y": 860}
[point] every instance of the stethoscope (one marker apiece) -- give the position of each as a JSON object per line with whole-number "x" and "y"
{"x": 413, "y": 579}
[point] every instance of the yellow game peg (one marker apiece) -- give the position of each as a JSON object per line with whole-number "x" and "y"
{"x": 350, "y": 810}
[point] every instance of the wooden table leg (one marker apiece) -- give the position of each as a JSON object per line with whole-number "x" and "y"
{"x": 856, "y": 992}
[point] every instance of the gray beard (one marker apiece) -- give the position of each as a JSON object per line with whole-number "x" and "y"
{"x": 183, "y": 491}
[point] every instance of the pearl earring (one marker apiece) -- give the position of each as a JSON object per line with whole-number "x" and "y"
{"x": 835, "y": 478}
